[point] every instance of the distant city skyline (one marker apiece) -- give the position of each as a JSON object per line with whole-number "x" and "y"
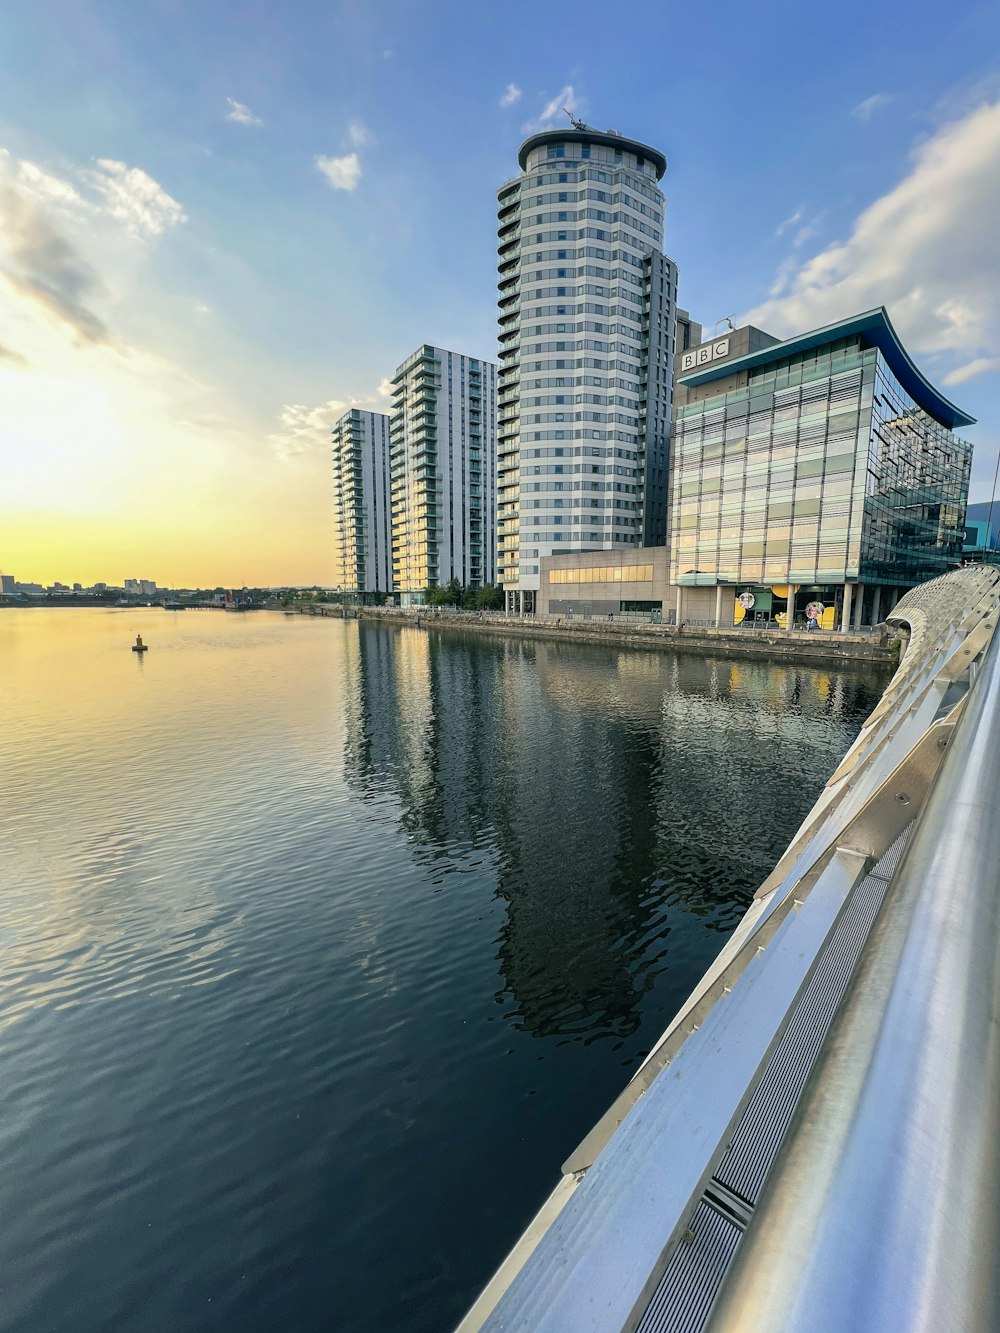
{"x": 209, "y": 249}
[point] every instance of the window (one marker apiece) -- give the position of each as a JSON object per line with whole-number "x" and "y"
{"x": 557, "y": 150}
{"x": 585, "y": 150}
{"x": 563, "y": 196}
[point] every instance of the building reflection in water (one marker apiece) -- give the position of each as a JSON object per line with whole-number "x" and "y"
{"x": 629, "y": 802}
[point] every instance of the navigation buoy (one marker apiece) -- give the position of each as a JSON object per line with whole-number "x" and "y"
{"x": 139, "y": 646}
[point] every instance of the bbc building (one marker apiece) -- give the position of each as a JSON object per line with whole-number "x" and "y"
{"x": 823, "y": 470}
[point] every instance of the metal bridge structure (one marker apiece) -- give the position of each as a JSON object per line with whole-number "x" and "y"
{"x": 814, "y": 1141}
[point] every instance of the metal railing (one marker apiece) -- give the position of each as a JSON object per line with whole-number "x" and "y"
{"x": 863, "y": 992}
{"x": 883, "y": 1210}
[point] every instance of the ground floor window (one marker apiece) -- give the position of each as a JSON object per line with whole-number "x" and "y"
{"x": 758, "y": 606}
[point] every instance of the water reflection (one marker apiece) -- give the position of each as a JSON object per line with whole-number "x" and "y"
{"x": 631, "y": 800}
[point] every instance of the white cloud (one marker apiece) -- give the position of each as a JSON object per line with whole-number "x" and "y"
{"x": 926, "y": 250}
{"x": 241, "y": 114}
{"x": 792, "y": 221}
{"x": 564, "y": 100}
{"x": 512, "y": 94}
{"x": 42, "y": 185}
{"x": 133, "y": 197}
{"x": 866, "y": 109}
{"x": 125, "y": 193}
{"x": 51, "y": 283}
{"x": 306, "y": 429}
{"x": 359, "y": 134}
{"x": 805, "y": 230}
{"x": 979, "y": 366}
{"x": 343, "y": 173}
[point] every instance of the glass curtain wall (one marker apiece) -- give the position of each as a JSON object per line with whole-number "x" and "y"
{"x": 820, "y": 470}
{"x": 916, "y": 491}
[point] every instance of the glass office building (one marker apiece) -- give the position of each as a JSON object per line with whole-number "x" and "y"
{"x": 824, "y": 468}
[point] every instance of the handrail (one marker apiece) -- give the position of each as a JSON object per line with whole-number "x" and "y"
{"x": 883, "y": 1210}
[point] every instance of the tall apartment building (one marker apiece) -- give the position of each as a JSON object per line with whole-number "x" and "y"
{"x": 443, "y": 436}
{"x": 362, "y": 542}
{"x": 587, "y": 339}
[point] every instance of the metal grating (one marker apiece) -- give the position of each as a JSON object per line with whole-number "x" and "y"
{"x": 697, "y": 1267}
{"x": 689, "y": 1286}
{"x": 766, "y": 1118}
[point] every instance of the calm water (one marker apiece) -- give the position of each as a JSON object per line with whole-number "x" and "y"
{"x": 321, "y": 945}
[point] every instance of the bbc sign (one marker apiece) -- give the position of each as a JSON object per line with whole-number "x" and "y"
{"x": 702, "y": 356}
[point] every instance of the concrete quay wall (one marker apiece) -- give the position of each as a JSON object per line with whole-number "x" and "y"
{"x": 819, "y": 646}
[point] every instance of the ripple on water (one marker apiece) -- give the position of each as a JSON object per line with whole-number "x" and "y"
{"x": 321, "y": 944}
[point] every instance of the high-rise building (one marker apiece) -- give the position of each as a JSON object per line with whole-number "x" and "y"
{"x": 587, "y": 339}
{"x": 443, "y": 446}
{"x": 362, "y": 542}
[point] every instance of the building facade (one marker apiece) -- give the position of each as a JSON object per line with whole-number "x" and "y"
{"x": 443, "y": 472}
{"x": 822, "y": 470}
{"x": 587, "y": 337}
{"x": 362, "y": 526}
{"x": 631, "y": 581}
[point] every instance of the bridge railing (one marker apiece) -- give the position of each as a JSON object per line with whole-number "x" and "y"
{"x": 653, "y": 1206}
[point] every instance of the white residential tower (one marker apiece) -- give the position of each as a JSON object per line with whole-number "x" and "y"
{"x": 362, "y": 546}
{"x": 443, "y": 472}
{"x": 587, "y": 332}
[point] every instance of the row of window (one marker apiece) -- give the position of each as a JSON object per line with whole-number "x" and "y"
{"x": 586, "y": 172}
{"x": 603, "y": 574}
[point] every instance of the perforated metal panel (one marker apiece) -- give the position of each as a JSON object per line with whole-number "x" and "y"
{"x": 758, "y": 1136}
{"x": 697, "y": 1267}
{"x": 686, "y": 1291}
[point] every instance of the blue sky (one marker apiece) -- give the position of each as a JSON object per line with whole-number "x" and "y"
{"x": 234, "y": 220}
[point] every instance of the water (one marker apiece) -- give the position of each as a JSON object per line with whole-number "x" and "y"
{"x": 323, "y": 944}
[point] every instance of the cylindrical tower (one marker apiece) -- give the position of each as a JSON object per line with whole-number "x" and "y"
{"x": 587, "y": 303}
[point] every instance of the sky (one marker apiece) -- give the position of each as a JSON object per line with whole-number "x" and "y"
{"x": 222, "y": 224}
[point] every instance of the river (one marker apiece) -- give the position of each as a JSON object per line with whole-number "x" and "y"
{"x": 324, "y": 943}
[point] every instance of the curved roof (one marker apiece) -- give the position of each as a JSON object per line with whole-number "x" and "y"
{"x": 877, "y": 331}
{"x": 592, "y": 136}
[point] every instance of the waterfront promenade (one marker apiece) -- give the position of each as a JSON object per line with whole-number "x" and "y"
{"x": 879, "y": 646}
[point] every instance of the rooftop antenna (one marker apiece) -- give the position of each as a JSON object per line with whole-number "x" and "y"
{"x": 728, "y": 321}
{"x": 577, "y": 124}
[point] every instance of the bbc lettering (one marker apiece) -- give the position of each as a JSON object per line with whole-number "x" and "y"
{"x": 701, "y": 356}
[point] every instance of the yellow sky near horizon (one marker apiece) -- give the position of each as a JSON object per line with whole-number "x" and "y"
{"x": 116, "y": 461}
